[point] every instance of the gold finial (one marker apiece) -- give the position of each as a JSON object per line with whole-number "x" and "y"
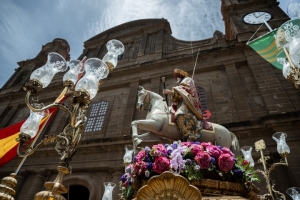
{"x": 6, "y": 187}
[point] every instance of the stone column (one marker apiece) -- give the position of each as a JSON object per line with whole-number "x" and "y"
{"x": 36, "y": 186}
{"x": 130, "y": 107}
{"x": 20, "y": 182}
{"x": 238, "y": 92}
{"x": 116, "y": 179}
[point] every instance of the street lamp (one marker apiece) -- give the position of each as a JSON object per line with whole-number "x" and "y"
{"x": 283, "y": 150}
{"x": 80, "y": 90}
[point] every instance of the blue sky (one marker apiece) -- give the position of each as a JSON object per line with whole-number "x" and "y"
{"x": 26, "y": 25}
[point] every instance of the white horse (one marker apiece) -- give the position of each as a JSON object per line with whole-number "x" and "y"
{"x": 159, "y": 126}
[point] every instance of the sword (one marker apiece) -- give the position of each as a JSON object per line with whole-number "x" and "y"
{"x": 163, "y": 79}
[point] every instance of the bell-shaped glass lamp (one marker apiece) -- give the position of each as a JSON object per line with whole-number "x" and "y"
{"x": 95, "y": 70}
{"x": 282, "y": 147}
{"x": 114, "y": 48}
{"x": 247, "y": 150}
{"x": 109, "y": 186}
{"x": 71, "y": 76}
{"x": 128, "y": 154}
{"x": 293, "y": 9}
{"x": 294, "y": 192}
{"x": 44, "y": 75}
{"x": 31, "y": 126}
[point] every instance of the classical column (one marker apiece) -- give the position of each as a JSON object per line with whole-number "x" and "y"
{"x": 130, "y": 107}
{"x": 116, "y": 179}
{"x": 238, "y": 92}
{"x": 20, "y": 182}
{"x": 36, "y": 186}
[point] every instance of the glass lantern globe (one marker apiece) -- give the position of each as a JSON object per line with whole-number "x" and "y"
{"x": 294, "y": 50}
{"x": 282, "y": 147}
{"x": 247, "y": 150}
{"x": 95, "y": 70}
{"x": 76, "y": 68}
{"x": 293, "y": 9}
{"x": 294, "y": 192}
{"x": 55, "y": 63}
{"x": 128, "y": 154}
{"x": 114, "y": 48}
{"x": 31, "y": 125}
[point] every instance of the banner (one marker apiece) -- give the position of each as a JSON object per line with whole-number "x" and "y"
{"x": 8, "y": 136}
{"x": 266, "y": 47}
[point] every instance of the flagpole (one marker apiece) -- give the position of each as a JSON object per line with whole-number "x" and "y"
{"x": 269, "y": 27}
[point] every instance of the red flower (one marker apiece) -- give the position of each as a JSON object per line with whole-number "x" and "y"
{"x": 196, "y": 148}
{"x": 140, "y": 167}
{"x": 161, "y": 164}
{"x": 226, "y": 150}
{"x": 214, "y": 151}
{"x": 226, "y": 162}
{"x": 203, "y": 160}
{"x": 245, "y": 162}
{"x": 205, "y": 144}
{"x": 188, "y": 144}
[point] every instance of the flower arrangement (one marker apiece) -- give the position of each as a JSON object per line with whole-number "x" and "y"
{"x": 193, "y": 160}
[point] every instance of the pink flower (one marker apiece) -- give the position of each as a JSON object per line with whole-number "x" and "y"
{"x": 161, "y": 164}
{"x": 188, "y": 144}
{"x": 203, "y": 160}
{"x": 226, "y": 150}
{"x": 140, "y": 156}
{"x": 196, "y": 148}
{"x": 140, "y": 167}
{"x": 225, "y": 162}
{"x": 205, "y": 144}
{"x": 214, "y": 151}
{"x": 158, "y": 150}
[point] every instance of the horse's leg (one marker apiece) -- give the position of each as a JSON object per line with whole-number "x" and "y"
{"x": 147, "y": 125}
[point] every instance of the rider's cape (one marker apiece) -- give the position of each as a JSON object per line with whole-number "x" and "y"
{"x": 189, "y": 93}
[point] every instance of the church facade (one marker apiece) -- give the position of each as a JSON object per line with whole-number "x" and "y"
{"x": 241, "y": 90}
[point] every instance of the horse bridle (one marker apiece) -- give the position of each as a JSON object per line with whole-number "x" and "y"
{"x": 147, "y": 94}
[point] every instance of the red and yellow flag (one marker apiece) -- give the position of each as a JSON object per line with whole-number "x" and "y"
{"x": 8, "y": 136}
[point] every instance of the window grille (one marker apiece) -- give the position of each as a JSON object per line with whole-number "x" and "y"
{"x": 96, "y": 117}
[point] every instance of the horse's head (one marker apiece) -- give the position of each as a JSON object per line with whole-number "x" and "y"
{"x": 142, "y": 94}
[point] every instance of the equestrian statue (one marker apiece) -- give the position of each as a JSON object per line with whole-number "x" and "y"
{"x": 183, "y": 120}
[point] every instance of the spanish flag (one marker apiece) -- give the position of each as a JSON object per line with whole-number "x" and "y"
{"x": 266, "y": 47}
{"x": 8, "y": 136}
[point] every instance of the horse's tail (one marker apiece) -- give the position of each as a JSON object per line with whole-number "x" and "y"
{"x": 235, "y": 145}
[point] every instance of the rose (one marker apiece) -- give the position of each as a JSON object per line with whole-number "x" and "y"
{"x": 205, "y": 144}
{"x": 226, "y": 162}
{"x": 203, "y": 160}
{"x": 214, "y": 151}
{"x": 188, "y": 144}
{"x": 245, "y": 162}
{"x": 140, "y": 156}
{"x": 226, "y": 150}
{"x": 140, "y": 167}
{"x": 161, "y": 164}
{"x": 195, "y": 149}
{"x": 158, "y": 150}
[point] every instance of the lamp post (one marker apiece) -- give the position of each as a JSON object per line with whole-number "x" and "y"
{"x": 282, "y": 148}
{"x": 80, "y": 90}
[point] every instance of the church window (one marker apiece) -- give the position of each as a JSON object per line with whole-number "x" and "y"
{"x": 96, "y": 117}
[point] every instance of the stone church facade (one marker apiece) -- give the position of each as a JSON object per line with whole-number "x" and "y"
{"x": 243, "y": 92}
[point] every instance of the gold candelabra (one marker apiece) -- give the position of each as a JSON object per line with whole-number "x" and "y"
{"x": 79, "y": 90}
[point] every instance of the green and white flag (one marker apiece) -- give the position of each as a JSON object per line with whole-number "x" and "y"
{"x": 265, "y": 46}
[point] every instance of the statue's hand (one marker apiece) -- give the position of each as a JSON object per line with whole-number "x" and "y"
{"x": 166, "y": 91}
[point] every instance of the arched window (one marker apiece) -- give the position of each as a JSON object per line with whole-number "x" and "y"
{"x": 77, "y": 192}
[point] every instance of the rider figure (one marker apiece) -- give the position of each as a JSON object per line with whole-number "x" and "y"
{"x": 186, "y": 106}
